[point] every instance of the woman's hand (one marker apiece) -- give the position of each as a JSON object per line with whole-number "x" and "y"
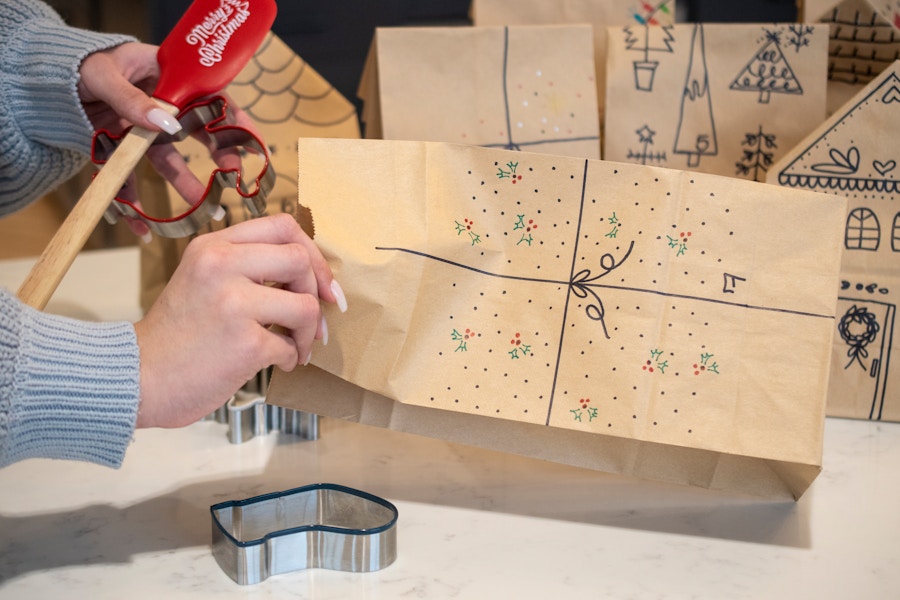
{"x": 210, "y": 331}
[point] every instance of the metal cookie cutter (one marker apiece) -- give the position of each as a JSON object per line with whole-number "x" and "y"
{"x": 210, "y": 122}
{"x": 324, "y": 526}
{"x": 247, "y": 416}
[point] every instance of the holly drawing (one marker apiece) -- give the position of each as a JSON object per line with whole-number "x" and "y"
{"x": 527, "y": 228}
{"x": 463, "y": 339}
{"x": 520, "y": 349}
{"x": 655, "y": 362}
{"x": 511, "y": 173}
{"x": 706, "y": 365}
{"x": 615, "y": 223}
{"x": 586, "y": 410}
{"x": 679, "y": 243}
{"x": 466, "y": 227}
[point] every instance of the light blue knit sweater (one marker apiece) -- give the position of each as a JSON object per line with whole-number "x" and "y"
{"x": 68, "y": 389}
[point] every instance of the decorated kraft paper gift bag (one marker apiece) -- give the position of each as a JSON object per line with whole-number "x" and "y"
{"x": 714, "y": 98}
{"x": 521, "y": 87}
{"x": 855, "y": 155}
{"x": 631, "y": 319}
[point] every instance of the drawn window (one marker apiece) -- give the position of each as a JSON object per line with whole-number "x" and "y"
{"x": 895, "y": 234}
{"x": 863, "y": 230}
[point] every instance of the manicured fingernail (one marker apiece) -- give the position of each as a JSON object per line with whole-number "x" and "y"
{"x": 308, "y": 358}
{"x": 220, "y": 213}
{"x": 339, "y": 294}
{"x": 324, "y": 332}
{"x": 147, "y": 237}
{"x": 164, "y": 121}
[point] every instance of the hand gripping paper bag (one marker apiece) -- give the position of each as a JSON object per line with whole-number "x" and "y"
{"x": 625, "y": 318}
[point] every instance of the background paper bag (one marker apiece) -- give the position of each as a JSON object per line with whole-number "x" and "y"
{"x": 864, "y": 39}
{"x": 658, "y": 323}
{"x": 287, "y": 99}
{"x": 855, "y": 154}
{"x": 523, "y": 88}
{"x": 724, "y": 99}
{"x": 599, "y": 13}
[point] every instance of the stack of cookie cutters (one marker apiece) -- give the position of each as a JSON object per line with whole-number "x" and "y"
{"x": 324, "y": 525}
{"x": 211, "y": 123}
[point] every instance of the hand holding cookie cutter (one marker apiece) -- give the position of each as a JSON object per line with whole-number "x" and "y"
{"x": 211, "y": 122}
{"x": 202, "y": 54}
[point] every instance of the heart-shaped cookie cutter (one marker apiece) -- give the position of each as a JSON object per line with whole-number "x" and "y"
{"x": 324, "y": 525}
{"x": 210, "y": 122}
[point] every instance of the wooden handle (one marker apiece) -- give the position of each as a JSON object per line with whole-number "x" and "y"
{"x": 68, "y": 241}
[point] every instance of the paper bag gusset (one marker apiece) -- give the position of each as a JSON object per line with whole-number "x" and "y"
{"x": 855, "y": 154}
{"x": 520, "y": 87}
{"x": 623, "y": 301}
{"x": 723, "y": 99}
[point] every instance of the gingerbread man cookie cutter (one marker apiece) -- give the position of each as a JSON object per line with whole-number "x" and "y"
{"x": 210, "y": 122}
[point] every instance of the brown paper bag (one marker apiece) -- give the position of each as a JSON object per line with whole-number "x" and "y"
{"x": 523, "y": 88}
{"x": 724, "y": 99}
{"x": 287, "y": 99}
{"x": 599, "y": 13}
{"x": 632, "y": 319}
{"x": 864, "y": 39}
{"x": 855, "y": 155}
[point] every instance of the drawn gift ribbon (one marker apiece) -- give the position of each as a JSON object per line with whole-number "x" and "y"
{"x": 210, "y": 122}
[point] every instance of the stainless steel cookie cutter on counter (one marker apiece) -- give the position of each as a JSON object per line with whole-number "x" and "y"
{"x": 247, "y": 415}
{"x": 324, "y": 525}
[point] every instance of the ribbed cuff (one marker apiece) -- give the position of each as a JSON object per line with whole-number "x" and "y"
{"x": 74, "y": 392}
{"x": 41, "y": 62}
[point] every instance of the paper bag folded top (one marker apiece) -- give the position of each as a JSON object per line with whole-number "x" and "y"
{"x": 525, "y": 88}
{"x": 685, "y": 317}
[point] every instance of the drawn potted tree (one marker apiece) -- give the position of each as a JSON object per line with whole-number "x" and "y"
{"x": 767, "y": 72}
{"x": 696, "y": 133}
{"x": 647, "y": 39}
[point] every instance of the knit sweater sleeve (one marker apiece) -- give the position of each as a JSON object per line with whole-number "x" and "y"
{"x": 46, "y": 135}
{"x": 68, "y": 389}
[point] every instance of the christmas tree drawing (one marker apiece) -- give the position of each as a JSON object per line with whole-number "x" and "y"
{"x": 757, "y": 154}
{"x": 647, "y": 39}
{"x": 767, "y": 72}
{"x": 696, "y": 133}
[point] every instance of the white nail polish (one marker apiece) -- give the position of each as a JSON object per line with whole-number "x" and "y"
{"x": 324, "y": 332}
{"x": 219, "y": 214}
{"x": 308, "y": 358}
{"x": 338, "y": 292}
{"x": 147, "y": 237}
{"x": 164, "y": 121}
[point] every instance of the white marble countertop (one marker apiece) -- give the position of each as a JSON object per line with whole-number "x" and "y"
{"x": 473, "y": 524}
